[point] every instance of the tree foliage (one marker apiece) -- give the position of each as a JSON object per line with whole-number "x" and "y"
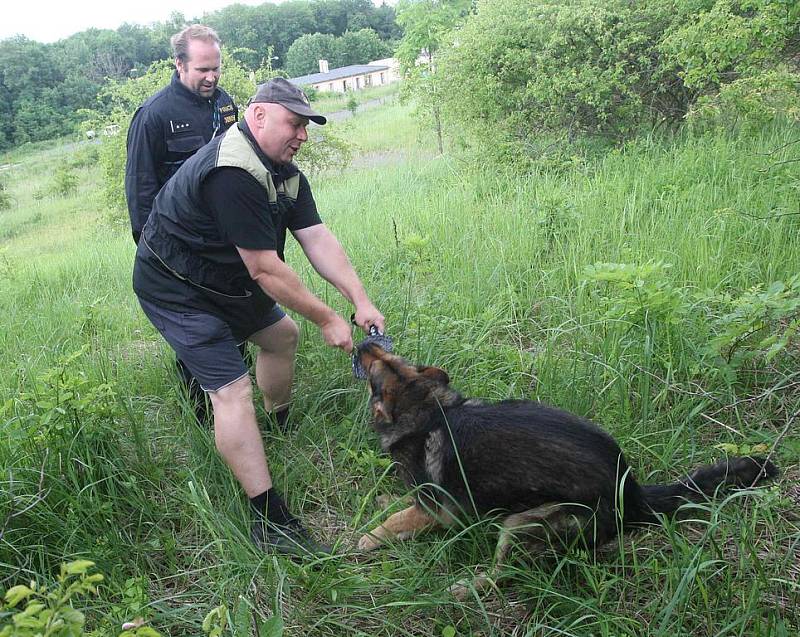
{"x": 353, "y": 47}
{"x": 44, "y": 87}
{"x": 303, "y": 56}
{"x": 743, "y": 58}
{"x": 280, "y": 25}
{"x": 29, "y": 87}
{"x": 427, "y": 25}
{"x": 517, "y": 73}
{"x": 359, "y": 47}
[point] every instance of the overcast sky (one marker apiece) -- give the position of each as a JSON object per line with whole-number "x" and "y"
{"x": 50, "y": 20}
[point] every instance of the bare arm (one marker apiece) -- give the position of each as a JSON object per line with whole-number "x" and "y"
{"x": 281, "y": 283}
{"x": 326, "y": 254}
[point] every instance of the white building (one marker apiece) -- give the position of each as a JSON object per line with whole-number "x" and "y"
{"x": 351, "y": 78}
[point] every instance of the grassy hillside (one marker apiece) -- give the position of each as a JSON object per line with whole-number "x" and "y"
{"x": 633, "y": 289}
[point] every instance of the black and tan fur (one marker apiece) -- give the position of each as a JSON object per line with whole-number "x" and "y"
{"x": 555, "y": 476}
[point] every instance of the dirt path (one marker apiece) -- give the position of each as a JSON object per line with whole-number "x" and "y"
{"x": 338, "y": 116}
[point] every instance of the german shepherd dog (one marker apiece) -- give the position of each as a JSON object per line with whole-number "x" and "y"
{"x": 555, "y": 477}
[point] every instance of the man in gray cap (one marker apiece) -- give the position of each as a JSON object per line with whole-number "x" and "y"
{"x": 210, "y": 273}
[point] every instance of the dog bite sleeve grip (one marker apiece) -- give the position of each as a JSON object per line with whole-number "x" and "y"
{"x": 376, "y": 337}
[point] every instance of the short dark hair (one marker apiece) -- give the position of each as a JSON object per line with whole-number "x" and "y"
{"x": 180, "y": 41}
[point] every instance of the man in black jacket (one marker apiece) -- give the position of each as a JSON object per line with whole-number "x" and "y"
{"x": 177, "y": 121}
{"x": 172, "y": 126}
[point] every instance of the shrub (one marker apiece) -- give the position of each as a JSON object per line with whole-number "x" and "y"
{"x": 87, "y": 155}
{"x": 741, "y": 57}
{"x": 49, "y": 609}
{"x": 327, "y": 151}
{"x": 721, "y": 334}
{"x": 516, "y": 72}
{"x": 5, "y": 197}
{"x": 352, "y": 103}
{"x": 758, "y": 324}
{"x": 65, "y": 182}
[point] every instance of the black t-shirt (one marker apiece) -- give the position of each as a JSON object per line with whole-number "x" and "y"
{"x": 237, "y": 204}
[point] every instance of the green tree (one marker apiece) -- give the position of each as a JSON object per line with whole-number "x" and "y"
{"x": 30, "y": 83}
{"x": 240, "y": 29}
{"x": 426, "y": 25}
{"x": 354, "y": 47}
{"x": 517, "y": 75}
{"x": 359, "y": 47}
{"x": 294, "y": 18}
{"x": 44, "y": 86}
{"x": 384, "y": 22}
{"x": 337, "y": 16}
{"x": 303, "y": 56}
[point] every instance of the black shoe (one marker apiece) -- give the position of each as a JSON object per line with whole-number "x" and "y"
{"x": 291, "y": 539}
{"x": 278, "y": 420}
{"x": 194, "y": 394}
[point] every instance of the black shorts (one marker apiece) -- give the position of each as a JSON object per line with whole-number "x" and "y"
{"x": 205, "y": 343}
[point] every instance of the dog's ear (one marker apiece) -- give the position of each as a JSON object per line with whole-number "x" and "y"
{"x": 379, "y": 411}
{"x": 435, "y": 373}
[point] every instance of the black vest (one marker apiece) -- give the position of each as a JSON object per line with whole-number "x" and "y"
{"x": 173, "y": 234}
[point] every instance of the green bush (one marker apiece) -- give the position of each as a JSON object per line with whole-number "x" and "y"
{"x": 719, "y": 334}
{"x": 352, "y": 103}
{"x": 48, "y": 610}
{"x": 65, "y": 182}
{"x": 741, "y": 57}
{"x": 85, "y": 156}
{"x": 5, "y": 197}
{"x": 519, "y": 72}
{"x": 516, "y": 71}
{"x": 325, "y": 151}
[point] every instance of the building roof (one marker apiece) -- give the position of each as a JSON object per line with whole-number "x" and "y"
{"x": 338, "y": 74}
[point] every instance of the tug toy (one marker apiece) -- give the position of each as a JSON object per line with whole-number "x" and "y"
{"x": 375, "y": 337}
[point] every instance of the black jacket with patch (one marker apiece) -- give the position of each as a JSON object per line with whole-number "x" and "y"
{"x": 165, "y": 131}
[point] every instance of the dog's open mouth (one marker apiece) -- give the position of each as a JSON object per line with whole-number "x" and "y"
{"x": 375, "y": 338}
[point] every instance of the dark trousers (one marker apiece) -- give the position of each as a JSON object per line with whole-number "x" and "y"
{"x": 197, "y": 396}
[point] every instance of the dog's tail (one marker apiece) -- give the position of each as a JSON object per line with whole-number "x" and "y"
{"x": 741, "y": 472}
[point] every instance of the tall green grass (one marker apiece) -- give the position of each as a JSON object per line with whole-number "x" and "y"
{"x": 478, "y": 270}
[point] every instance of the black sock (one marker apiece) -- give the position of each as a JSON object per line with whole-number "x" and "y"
{"x": 281, "y": 417}
{"x": 258, "y": 505}
{"x": 270, "y": 506}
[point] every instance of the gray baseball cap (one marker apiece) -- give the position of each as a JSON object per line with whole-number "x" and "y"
{"x": 281, "y": 91}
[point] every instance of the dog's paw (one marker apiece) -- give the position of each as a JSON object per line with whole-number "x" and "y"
{"x": 384, "y": 501}
{"x": 368, "y": 542}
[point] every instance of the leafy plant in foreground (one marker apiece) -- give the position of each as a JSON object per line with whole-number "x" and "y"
{"x": 49, "y": 609}
{"x": 759, "y": 323}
